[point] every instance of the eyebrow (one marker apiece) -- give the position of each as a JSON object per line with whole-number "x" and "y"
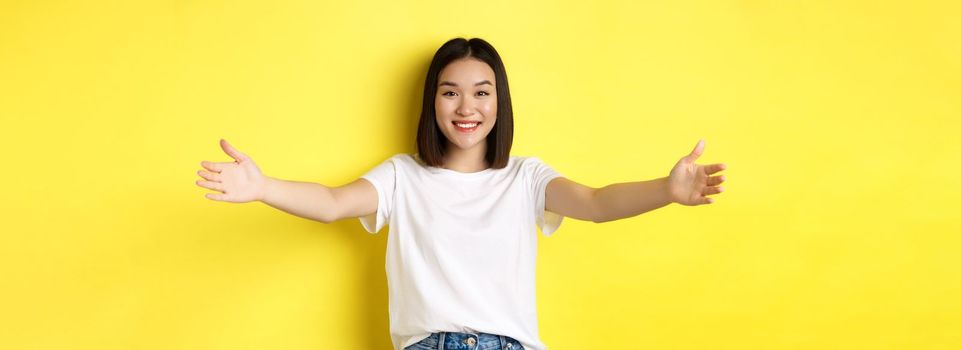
{"x": 477, "y": 84}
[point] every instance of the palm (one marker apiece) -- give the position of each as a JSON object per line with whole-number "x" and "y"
{"x": 240, "y": 181}
{"x": 690, "y": 183}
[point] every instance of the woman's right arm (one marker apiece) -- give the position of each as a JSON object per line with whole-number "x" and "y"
{"x": 242, "y": 181}
{"x": 318, "y": 202}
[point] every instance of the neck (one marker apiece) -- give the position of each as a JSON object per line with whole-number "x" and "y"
{"x": 466, "y": 160}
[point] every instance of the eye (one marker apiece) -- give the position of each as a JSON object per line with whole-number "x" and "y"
{"x": 448, "y": 92}
{"x": 484, "y": 93}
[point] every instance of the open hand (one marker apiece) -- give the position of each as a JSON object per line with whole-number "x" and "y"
{"x": 690, "y": 183}
{"x": 239, "y": 181}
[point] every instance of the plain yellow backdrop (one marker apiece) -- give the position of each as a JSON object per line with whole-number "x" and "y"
{"x": 839, "y": 227}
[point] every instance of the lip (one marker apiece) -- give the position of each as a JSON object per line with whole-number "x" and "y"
{"x": 466, "y": 131}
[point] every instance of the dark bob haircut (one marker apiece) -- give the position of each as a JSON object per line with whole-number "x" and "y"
{"x": 431, "y": 143}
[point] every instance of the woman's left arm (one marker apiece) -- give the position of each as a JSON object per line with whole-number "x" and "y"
{"x": 688, "y": 184}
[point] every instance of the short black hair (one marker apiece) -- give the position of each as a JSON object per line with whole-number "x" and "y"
{"x": 431, "y": 145}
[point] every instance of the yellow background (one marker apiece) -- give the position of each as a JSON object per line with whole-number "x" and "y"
{"x": 839, "y": 227}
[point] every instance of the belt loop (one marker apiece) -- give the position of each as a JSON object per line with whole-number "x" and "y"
{"x": 503, "y": 342}
{"x": 440, "y": 344}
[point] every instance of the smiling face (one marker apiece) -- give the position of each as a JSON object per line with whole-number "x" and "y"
{"x": 466, "y": 97}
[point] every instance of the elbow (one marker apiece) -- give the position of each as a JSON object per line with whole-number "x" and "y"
{"x": 597, "y": 212}
{"x": 596, "y": 217}
{"x": 599, "y": 219}
{"x": 327, "y": 218}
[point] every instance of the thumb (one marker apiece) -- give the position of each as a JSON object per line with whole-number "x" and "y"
{"x": 232, "y": 152}
{"x": 698, "y": 150}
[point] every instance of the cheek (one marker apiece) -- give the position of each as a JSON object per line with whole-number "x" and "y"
{"x": 490, "y": 108}
{"x": 442, "y": 107}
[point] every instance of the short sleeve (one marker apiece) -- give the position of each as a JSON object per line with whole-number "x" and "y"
{"x": 384, "y": 179}
{"x": 541, "y": 174}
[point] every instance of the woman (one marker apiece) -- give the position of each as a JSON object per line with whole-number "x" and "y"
{"x": 462, "y": 211}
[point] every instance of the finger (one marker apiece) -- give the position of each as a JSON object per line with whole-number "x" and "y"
{"x": 216, "y": 186}
{"x": 209, "y": 175}
{"x": 214, "y": 167}
{"x": 715, "y": 180}
{"x": 713, "y": 168}
{"x": 712, "y": 190}
{"x": 698, "y": 149}
{"x": 231, "y": 151}
{"x": 216, "y": 196}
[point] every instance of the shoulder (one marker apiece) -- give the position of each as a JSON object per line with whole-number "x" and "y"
{"x": 400, "y": 158}
{"x": 527, "y": 161}
{"x": 536, "y": 168}
{"x": 393, "y": 163}
{"x": 526, "y": 165}
{"x": 406, "y": 158}
{"x": 404, "y": 161}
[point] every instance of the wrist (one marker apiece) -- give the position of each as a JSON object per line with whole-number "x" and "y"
{"x": 265, "y": 188}
{"x": 668, "y": 191}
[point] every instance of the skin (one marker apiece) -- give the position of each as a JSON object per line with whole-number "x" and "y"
{"x": 466, "y": 92}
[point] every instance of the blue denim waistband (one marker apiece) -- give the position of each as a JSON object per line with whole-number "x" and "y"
{"x": 470, "y": 341}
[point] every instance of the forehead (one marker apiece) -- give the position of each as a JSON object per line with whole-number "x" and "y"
{"x": 469, "y": 70}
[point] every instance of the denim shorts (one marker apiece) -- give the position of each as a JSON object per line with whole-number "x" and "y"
{"x": 466, "y": 341}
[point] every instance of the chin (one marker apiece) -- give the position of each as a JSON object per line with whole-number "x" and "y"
{"x": 465, "y": 144}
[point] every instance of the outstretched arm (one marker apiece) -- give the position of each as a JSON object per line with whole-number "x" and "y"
{"x": 687, "y": 184}
{"x": 241, "y": 181}
{"x": 624, "y": 200}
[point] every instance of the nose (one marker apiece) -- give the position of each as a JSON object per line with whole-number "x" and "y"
{"x": 463, "y": 111}
{"x": 465, "y": 108}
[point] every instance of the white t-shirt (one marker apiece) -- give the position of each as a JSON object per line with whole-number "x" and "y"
{"x": 462, "y": 247}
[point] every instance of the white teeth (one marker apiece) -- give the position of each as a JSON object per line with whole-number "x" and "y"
{"x": 466, "y": 126}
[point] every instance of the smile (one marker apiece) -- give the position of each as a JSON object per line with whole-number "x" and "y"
{"x": 466, "y": 127}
